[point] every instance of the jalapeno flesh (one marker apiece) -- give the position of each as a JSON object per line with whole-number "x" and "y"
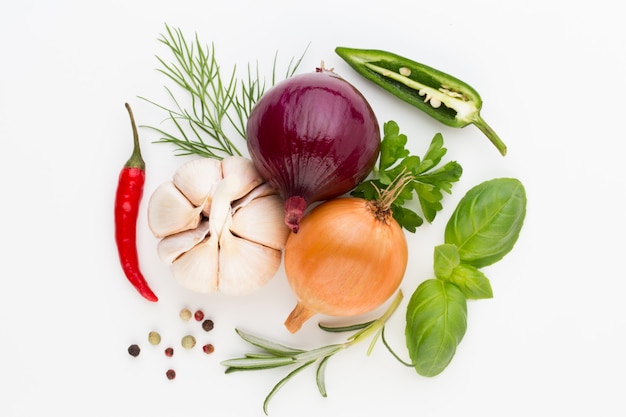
{"x": 440, "y": 95}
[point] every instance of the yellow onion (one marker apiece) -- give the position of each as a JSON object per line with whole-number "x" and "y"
{"x": 347, "y": 259}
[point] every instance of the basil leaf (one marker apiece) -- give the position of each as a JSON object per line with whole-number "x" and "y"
{"x": 446, "y": 258}
{"x": 487, "y": 221}
{"x": 474, "y": 284}
{"x": 436, "y": 320}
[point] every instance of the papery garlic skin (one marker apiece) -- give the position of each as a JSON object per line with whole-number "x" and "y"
{"x": 221, "y": 226}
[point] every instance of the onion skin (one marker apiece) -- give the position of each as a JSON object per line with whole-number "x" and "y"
{"x": 346, "y": 260}
{"x": 313, "y": 137}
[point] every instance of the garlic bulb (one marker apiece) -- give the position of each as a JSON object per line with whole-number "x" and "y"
{"x": 221, "y": 226}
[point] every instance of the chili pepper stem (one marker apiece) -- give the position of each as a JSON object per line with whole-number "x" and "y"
{"x": 479, "y": 122}
{"x": 135, "y": 160}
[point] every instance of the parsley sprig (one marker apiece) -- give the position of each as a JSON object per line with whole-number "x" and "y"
{"x": 428, "y": 180}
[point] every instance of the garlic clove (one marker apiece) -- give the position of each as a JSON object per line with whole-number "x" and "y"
{"x": 197, "y": 178}
{"x": 197, "y": 269}
{"x": 262, "y": 190}
{"x": 169, "y": 211}
{"x": 239, "y": 176}
{"x": 245, "y": 266}
{"x": 171, "y": 247}
{"x": 269, "y": 229}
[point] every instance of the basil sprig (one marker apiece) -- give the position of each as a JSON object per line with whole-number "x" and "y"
{"x": 483, "y": 228}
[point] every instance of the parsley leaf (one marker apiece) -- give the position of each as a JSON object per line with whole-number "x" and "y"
{"x": 429, "y": 180}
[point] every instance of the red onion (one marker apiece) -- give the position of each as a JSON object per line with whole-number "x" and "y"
{"x": 312, "y": 137}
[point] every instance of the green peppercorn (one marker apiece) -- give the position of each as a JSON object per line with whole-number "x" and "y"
{"x": 154, "y": 338}
{"x": 188, "y": 341}
{"x": 134, "y": 350}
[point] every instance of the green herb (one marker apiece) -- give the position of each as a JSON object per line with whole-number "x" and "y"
{"x": 217, "y": 104}
{"x": 275, "y": 355}
{"x": 487, "y": 221}
{"x": 436, "y": 323}
{"x": 482, "y": 230}
{"x": 440, "y": 95}
{"x": 448, "y": 267}
{"x": 428, "y": 181}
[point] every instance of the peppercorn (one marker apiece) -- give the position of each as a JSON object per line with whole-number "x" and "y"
{"x": 208, "y": 348}
{"x": 207, "y": 325}
{"x": 198, "y": 315}
{"x": 169, "y": 352}
{"x": 154, "y": 338}
{"x": 170, "y": 374}
{"x": 134, "y": 350}
{"x": 185, "y": 314}
{"x": 188, "y": 341}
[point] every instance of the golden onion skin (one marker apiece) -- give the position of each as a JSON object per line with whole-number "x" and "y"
{"x": 344, "y": 261}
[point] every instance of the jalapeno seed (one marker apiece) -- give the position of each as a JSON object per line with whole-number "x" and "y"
{"x": 134, "y": 350}
{"x": 154, "y": 338}
{"x": 188, "y": 341}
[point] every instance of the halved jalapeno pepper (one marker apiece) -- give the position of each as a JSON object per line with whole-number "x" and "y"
{"x": 442, "y": 96}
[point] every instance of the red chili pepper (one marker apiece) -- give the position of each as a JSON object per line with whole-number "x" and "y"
{"x": 127, "y": 201}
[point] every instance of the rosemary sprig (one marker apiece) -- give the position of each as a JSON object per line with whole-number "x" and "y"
{"x": 217, "y": 104}
{"x": 275, "y": 355}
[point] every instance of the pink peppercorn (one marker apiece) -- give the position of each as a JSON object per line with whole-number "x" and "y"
{"x": 170, "y": 374}
{"x": 198, "y": 315}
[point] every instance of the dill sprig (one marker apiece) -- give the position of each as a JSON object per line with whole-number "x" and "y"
{"x": 216, "y": 105}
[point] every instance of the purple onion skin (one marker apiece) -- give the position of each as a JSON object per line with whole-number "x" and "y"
{"x": 312, "y": 137}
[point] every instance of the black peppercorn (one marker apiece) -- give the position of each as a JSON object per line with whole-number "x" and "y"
{"x": 133, "y": 350}
{"x": 207, "y": 325}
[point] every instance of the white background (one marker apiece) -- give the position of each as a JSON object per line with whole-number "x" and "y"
{"x": 550, "y": 342}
